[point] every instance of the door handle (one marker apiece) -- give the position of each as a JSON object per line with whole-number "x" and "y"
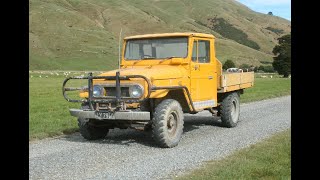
{"x": 210, "y": 77}
{"x": 196, "y": 67}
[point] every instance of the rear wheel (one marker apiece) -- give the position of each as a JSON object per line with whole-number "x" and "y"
{"x": 230, "y": 109}
{"x": 167, "y": 123}
{"x": 91, "y": 131}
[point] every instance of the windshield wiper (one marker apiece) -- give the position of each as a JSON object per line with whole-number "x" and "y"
{"x": 149, "y": 58}
{"x": 138, "y": 60}
{"x": 170, "y": 57}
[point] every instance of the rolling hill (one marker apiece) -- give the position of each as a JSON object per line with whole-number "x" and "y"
{"x": 83, "y": 34}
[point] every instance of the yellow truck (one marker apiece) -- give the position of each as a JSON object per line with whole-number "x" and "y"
{"x": 160, "y": 77}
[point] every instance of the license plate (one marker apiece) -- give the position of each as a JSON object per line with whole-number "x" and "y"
{"x": 104, "y": 115}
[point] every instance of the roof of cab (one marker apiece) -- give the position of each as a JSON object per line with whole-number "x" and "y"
{"x": 170, "y": 35}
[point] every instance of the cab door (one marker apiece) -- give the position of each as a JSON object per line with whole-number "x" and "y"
{"x": 203, "y": 82}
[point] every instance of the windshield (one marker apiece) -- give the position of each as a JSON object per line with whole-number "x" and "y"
{"x": 156, "y": 48}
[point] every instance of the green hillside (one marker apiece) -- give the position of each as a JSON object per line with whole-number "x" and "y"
{"x": 83, "y": 34}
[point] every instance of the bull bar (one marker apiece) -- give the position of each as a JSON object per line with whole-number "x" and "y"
{"x": 121, "y": 115}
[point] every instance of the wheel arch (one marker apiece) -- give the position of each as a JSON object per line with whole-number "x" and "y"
{"x": 178, "y": 95}
{"x": 222, "y": 95}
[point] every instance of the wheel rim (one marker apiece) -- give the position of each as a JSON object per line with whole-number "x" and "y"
{"x": 234, "y": 111}
{"x": 172, "y": 123}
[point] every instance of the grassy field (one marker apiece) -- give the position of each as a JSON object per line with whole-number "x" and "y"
{"x": 265, "y": 88}
{"x": 269, "y": 159}
{"x": 83, "y": 34}
{"x": 48, "y": 110}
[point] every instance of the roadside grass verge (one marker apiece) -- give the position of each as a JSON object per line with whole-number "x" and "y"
{"x": 269, "y": 159}
{"x": 49, "y": 111}
{"x": 266, "y": 88}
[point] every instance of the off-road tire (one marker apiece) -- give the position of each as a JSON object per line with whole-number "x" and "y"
{"x": 230, "y": 110}
{"x": 167, "y": 123}
{"x": 91, "y": 132}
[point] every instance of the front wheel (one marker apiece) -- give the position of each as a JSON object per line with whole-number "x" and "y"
{"x": 91, "y": 132}
{"x": 167, "y": 123}
{"x": 230, "y": 110}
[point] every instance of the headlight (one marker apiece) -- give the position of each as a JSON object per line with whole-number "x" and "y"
{"x": 98, "y": 91}
{"x": 136, "y": 91}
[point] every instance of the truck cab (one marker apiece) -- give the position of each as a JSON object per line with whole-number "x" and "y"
{"x": 160, "y": 77}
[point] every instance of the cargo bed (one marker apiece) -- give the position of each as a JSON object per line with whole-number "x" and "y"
{"x": 235, "y": 81}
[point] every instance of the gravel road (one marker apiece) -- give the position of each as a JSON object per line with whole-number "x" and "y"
{"x": 131, "y": 154}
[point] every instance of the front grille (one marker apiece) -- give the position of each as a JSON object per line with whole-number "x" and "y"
{"x": 111, "y": 91}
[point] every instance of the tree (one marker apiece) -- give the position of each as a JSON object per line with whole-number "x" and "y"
{"x": 267, "y": 68}
{"x": 261, "y": 68}
{"x": 282, "y": 61}
{"x": 270, "y": 13}
{"x": 244, "y": 67}
{"x": 228, "y": 64}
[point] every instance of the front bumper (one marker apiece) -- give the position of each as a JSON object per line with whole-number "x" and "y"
{"x": 118, "y": 115}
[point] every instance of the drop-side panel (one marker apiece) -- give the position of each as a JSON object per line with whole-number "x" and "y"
{"x": 236, "y": 81}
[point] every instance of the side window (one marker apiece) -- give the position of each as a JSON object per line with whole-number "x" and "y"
{"x": 203, "y": 51}
{"x": 194, "y": 52}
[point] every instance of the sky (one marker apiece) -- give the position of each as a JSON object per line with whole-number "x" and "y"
{"x": 280, "y": 8}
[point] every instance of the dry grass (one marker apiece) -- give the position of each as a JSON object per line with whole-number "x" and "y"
{"x": 83, "y": 35}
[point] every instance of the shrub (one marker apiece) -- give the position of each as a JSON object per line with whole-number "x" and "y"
{"x": 228, "y": 64}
